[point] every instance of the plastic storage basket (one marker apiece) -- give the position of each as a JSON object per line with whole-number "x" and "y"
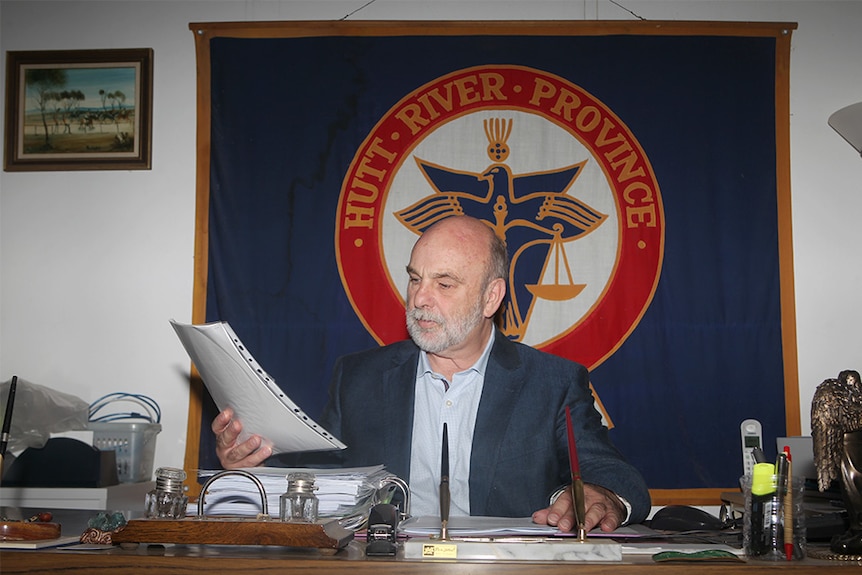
{"x": 135, "y": 446}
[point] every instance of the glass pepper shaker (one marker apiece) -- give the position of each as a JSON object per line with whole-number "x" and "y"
{"x": 167, "y": 500}
{"x": 299, "y": 503}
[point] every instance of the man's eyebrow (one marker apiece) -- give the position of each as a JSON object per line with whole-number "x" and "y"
{"x": 438, "y": 275}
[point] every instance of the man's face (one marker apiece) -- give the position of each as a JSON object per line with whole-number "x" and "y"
{"x": 444, "y": 293}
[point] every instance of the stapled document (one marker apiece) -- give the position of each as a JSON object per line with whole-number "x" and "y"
{"x": 234, "y": 379}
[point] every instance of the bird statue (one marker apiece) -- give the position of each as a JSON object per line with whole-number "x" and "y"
{"x": 835, "y": 409}
{"x": 836, "y": 431}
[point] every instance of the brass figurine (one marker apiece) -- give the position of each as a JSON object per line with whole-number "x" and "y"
{"x": 836, "y": 430}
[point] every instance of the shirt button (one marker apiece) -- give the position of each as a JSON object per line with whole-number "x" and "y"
{"x": 448, "y": 403}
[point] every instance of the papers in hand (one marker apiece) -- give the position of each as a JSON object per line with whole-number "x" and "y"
{"x": 234, "y": 379}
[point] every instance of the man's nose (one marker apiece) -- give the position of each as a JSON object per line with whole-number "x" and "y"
{"x": 421, "y": 295}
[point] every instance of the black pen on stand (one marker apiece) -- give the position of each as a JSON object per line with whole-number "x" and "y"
{"x": 444, "y": 486}
{"x": 778, "y": 501}
{"x": 7, "y": 420}
{"x": 578, "y": 502}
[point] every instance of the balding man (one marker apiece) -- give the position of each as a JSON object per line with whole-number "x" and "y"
{"x": 503, "y": 402}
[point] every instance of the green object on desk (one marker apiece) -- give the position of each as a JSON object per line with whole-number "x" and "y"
{"x": 709, "y": 555}
{"x": 107, "y": 522}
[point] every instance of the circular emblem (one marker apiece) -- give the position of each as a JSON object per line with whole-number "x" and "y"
{"x": 545, "y": 164}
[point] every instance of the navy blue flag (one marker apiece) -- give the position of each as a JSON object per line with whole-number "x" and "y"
{"x": 634, "y": 177}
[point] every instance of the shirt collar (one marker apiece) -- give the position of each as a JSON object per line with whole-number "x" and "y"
{"x": 478, "y": 367}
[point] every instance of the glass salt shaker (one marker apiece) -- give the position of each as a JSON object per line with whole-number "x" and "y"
{"x": 299, "y": 503}
{"x": 167, "y": 500}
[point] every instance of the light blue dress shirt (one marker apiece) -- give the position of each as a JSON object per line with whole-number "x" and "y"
{"x": 433, "y": 406}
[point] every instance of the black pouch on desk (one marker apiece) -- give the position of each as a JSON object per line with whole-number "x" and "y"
{"x": 63, "y": 462}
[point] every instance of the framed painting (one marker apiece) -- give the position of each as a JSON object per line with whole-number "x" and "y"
{"x": 79, "y": 110}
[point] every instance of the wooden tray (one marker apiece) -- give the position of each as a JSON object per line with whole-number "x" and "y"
{"x": 28, "y": 530}
{"x": 230, "y": 530}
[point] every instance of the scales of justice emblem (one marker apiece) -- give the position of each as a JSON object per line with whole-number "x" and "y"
{"x": 533, "y": 213}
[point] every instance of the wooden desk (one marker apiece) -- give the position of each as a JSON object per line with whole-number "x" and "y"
{"x": 262, "y": 560}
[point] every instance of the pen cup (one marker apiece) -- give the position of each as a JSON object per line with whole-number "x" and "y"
{"x": 766, "y": 514}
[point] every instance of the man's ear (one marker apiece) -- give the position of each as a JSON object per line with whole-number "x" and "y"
{"x": 494, "y": 294}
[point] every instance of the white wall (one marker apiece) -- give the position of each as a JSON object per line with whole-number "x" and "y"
{"x": 93, "y": 264}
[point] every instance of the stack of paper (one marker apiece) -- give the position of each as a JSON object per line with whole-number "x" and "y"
{"x": 426, "y": 526}
{"x": 346, "y": 493}
{"x": 475, "y": 526}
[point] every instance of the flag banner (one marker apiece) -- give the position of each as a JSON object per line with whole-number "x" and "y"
{"x": 636, "y": 178}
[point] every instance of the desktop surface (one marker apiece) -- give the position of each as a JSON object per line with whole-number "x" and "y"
{"x": 225, "y": 558}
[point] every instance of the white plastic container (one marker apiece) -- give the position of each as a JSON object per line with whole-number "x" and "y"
{"x": 134, "y": 443}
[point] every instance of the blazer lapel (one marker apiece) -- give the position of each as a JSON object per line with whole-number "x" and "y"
{"x": 399, "y": 385}
{"x": 503, "y": 381}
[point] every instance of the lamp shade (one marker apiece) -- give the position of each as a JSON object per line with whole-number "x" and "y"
{"x": 848, "y": 123}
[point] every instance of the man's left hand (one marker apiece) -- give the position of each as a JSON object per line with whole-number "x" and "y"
{"x": 603, "y": 509}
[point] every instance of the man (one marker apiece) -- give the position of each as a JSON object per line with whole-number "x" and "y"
{"x": 503, "y": 402}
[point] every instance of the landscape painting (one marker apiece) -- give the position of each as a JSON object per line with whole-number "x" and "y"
{"x": 79, "y": 110}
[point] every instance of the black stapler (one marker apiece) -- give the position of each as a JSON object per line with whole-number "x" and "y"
{"x": 382, "y": 530}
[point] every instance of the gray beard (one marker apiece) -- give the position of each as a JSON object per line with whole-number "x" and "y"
{"x": 446, "y": 335}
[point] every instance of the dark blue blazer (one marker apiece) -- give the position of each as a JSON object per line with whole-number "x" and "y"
{"x": 519, "y": 454}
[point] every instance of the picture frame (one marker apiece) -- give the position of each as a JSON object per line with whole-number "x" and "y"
{"x": 79, "y": 110}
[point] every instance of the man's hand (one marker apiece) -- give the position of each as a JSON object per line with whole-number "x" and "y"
{"x": 603, "y": 508}
{"x": 231, "y": 454}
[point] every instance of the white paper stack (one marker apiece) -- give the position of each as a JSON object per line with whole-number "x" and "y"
{"x": 475, "y": 526}
{"x": 344, "y": 493}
